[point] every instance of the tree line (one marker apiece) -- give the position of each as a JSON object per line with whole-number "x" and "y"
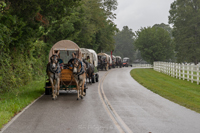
{"x": 29, "y": 28}
{"x": 181, "y": 43}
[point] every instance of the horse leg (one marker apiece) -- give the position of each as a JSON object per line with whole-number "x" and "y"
{"x": 58, "y": 86}
{"x": 52, "y": 86}
{"x": 82, "y": 82}
{"x": 83, "y": 93}
{"x": 78, "y": 90}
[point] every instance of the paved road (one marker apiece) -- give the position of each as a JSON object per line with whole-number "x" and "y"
{"x": 144, "y": 111}
{"x": 141, "y": 110}
{"x": 65, "y": 115}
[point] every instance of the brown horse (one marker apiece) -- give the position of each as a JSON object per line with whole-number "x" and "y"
{"x": 53, "y": 71}
{"x": 79, "y": 74}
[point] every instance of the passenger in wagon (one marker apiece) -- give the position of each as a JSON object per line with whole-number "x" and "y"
{"x": 73, "y": 57}
{"x": 61, "y": 63}
{"x": 88, "y": 59}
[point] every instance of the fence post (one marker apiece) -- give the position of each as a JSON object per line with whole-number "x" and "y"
{"x": 192, "y": 76}
{"x": 168, "y": 67}
{"x": 173, "y": 69}
{"x": 188, "y": 76}
{"x": 176, "y": 69}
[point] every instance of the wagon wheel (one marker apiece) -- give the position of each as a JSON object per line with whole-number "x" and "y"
{"x": 93, "y": 79}
{"x": 97, "y": 77}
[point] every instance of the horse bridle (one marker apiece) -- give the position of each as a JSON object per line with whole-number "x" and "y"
{"x": 57, "y": 65}
{"x": 77, "y": 66}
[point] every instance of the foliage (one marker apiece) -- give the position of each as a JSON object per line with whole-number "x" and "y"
{"x": 13, "y": 102}
{"x": 124, "y": 43}
{"x": 109, "y": 6}
{"x": 185, "y": 15}
{"x": 28, "y": 30}
{"x": 165, "y": 27}
{"x": 95, "y": 30}
{"x": 154, "y": 44}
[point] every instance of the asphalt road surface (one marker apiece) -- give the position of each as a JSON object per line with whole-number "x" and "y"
{"x": 117, "y": 103}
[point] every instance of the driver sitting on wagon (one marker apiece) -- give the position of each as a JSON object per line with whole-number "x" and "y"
{"x": 70, "y": 61}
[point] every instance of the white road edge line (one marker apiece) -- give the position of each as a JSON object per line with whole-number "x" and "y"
{"x": 119, "y": 123}
{"x": 16, "y": 116}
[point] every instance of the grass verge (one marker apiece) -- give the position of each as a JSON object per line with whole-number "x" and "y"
{"x": 182, "y": 92}
{"x": 13, "y": 102}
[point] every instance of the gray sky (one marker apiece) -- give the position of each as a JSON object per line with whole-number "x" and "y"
{"x": 141, "y": 13}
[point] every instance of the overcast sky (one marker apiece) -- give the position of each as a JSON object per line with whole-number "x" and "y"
{"x": 141, "y": 13}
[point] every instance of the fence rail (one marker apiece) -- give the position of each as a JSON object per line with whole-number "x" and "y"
{"x": 189, "y": 72}
{"x": 142, "y": 65}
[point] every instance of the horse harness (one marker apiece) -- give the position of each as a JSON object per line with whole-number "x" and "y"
{"x": 57, "y": 69}
{"x": 82, "y": 69}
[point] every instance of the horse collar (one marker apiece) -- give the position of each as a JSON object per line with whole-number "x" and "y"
{"x": 56, "y": 71}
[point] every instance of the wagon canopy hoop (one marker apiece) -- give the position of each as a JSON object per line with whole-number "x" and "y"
{"x": 65, "y": 45}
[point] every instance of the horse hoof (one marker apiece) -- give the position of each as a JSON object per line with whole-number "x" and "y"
{"x": 77, "y": 99}
{"x": 53, "y": 98}
{"x": 81, "y": 97}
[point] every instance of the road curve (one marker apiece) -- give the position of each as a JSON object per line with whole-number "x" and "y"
{"x": 144, "y": 111}
{"x": 141, "y": 110}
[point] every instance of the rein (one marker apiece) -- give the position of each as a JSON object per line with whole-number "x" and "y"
{"x": 82, "y": 69}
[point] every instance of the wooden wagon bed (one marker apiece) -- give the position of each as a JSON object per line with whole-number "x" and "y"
{"x": 67, "y": 80}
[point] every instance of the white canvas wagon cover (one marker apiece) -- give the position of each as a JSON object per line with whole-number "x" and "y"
{"x": 65, "y": 45}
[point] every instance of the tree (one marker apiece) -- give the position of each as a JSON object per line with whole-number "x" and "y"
{"x": 154, "y": 44}
{"x": 185, "y": 17}
{"x": 109, "y": 6}
{"x": 96, "y": 30}
{"x": 124, "y": 43}
{"x": 165, "y": 27}
{"x": 29, "y": 28}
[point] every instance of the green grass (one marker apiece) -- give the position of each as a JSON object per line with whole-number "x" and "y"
{"x": 182, "y": 92}
{"x": 13, "y": 102}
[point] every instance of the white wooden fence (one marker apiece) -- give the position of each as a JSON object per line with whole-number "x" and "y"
{"x": 142, "y": 65}
{"x": 189, "y": 72}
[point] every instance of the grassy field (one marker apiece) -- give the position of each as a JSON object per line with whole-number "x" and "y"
{"x": 179, "y": 91}
{"x": 13, "y": 102}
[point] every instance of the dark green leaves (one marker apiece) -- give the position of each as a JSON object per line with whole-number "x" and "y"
{"x": 185, "y": 17}
{"x": 155, "y": 44}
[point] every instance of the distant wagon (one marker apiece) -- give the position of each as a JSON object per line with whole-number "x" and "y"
{"x": 93, "y": 60}
{"x": 126, "y": 62}
{"x": 67, "y": 81}
{"x": 104, "y": 61}
{"x": 113, "y": 61}
{"x": 118, "y": 61}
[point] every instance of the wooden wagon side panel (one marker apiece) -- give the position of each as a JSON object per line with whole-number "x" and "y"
{"x": 67, "y": 77}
